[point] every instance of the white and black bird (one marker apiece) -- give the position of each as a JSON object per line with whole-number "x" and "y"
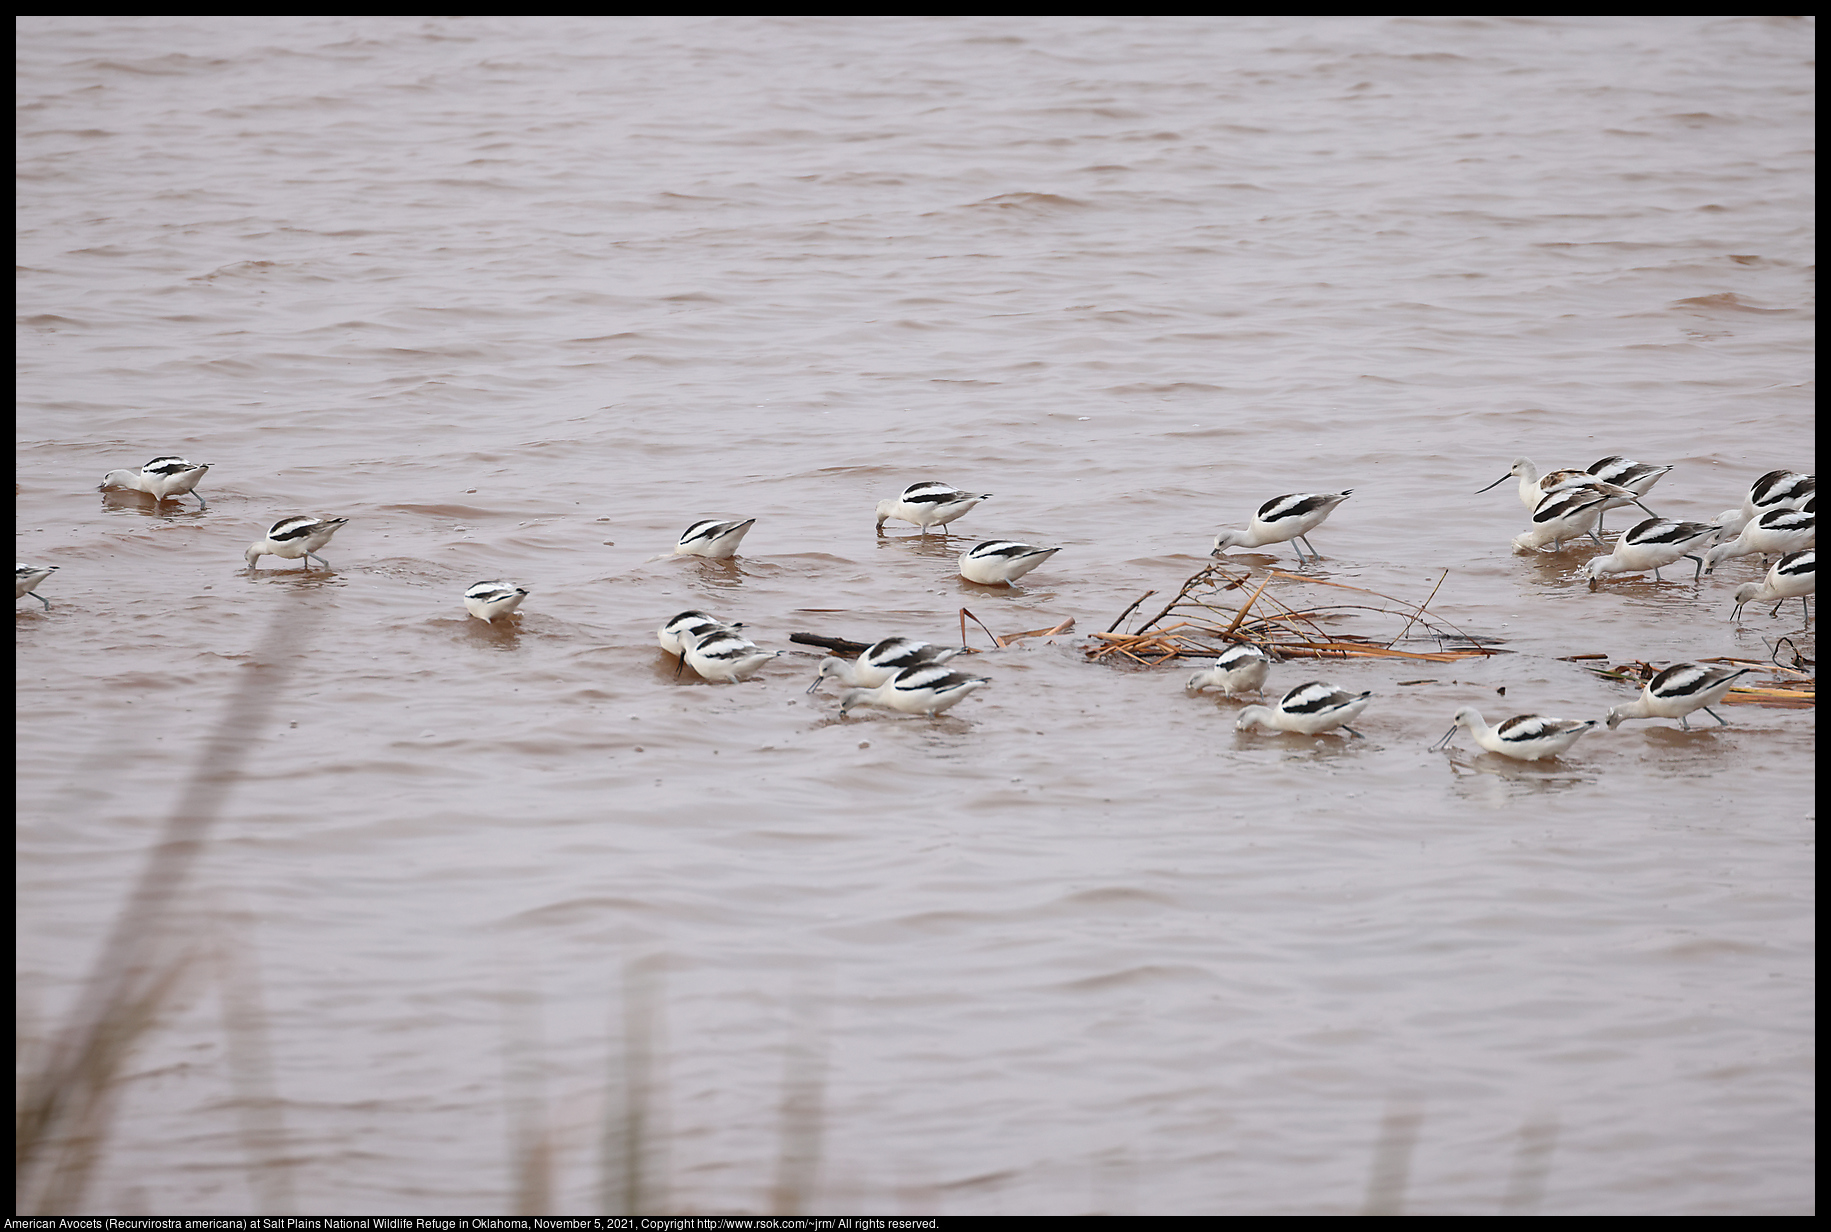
{"x": 716, "y": 540}
{"x": 1679, "y": 690}
{"x": 1776, "y": 531}
{"x": 926, "y": 689}
{"x": 1562, "y": 515}
{"x": 488, "y": 600}
{"x": 1774, "y": 490}
{"x": 1636, "y": 477}
{"x": 162, "y": 479}
{"x": 1524, "y": 737}
{"x": 1239, "y": 669}
{"x": 928, "y": 504}
{"x": 722, "y": 654}
{"x": 1533, "y": 487}
{"x": 1309, "y": 710}
{"x": 1001, "y": 560}
{"x": 880, "y": 662}
{"x": 668, "y": 636}
{"x": 1794, "y": 576}
{"x": 295, "y": 538}
{"x": 26, "y": 578}
{"x": 1283, "y": 519}
{"x": 1652, "y": 545}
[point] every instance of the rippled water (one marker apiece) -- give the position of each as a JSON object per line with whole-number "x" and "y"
{"x": 522, "y": 298}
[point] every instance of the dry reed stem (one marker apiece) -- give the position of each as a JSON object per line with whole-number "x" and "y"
{"x": 1128, "y": 611}
{"x": 1415, "y": 615}
{"x": 1008, "y": 638}
{"x": 1247, "y": 606}
{"x": 63, "y": 1109}
{"x": 964, "y": 616}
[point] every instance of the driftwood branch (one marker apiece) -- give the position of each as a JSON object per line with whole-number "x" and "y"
{"x": 838, "y": 645}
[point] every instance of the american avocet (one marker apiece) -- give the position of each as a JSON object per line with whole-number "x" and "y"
{"x": 1777, "y": 530}
{"x": 668, "y": 636}
{"x": 488, "y": 600}
{"x": 722, "y": 654}
{"x": 27, "y": 578}
{"x": 1653, "y": 544}
{"x": 928, "y": 504}
{"x": 1238, "y": 669}
{"x": 1000, "y": 560}
{"x": 1534, "y": 487}
{"x": 1560, "y": 516}
{"x": 296, "y": 537}
{"x": 1284, "y": 519}
{"x": 1309, "y": 709}
{"x": 1677, "y": 691}
{"x": 162, "y": 479}
{"x": 717, "y": 540}
{"x": 1636, "y": 477}
{"x": 882, "y": 661}
{"x": 1793, "y": 576}
{"x": 1527, "y": 737}
{"x": 1774, "y": 490}
{"x": 927, "y": 689}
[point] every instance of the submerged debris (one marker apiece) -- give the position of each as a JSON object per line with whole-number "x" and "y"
{"x": 1202, "y": 627}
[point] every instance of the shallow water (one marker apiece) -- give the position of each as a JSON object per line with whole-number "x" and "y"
{"x": 523, "y": 298}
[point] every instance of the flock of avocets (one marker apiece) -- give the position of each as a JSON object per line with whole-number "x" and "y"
{"x": 1776, "y": 517}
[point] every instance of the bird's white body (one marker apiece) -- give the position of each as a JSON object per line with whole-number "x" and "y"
{"x": 722, "y": 654}
{"x": 1774, "y": 490}
{"x": 162, "y": 479}
{"x": 1794, "y": 576}
{"x": 1309, "y": 710}
{"x": 1239, "y": 669}
{"x": 1679, "y": 690}
{"x": 879, "y": 663}
{"x": 1283, "y": 519}
{"x": 1524, "y": 737}
{"x": 926, "y": 689}
{"x": 1777, "y": 530}
{"x": 928, "y": 504}
{"x": 1652, "y": 545}
{"x": 26, "y": 578}
{"x": 295, "y": 538}
{"x": 716, "y": 540}
{"x": 488, "y": 600}
{"x": 1560, "y": 516}
{"x": 1001, "y": 560}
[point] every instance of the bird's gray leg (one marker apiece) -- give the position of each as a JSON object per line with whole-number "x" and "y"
{"x": 1713, "y": 714}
